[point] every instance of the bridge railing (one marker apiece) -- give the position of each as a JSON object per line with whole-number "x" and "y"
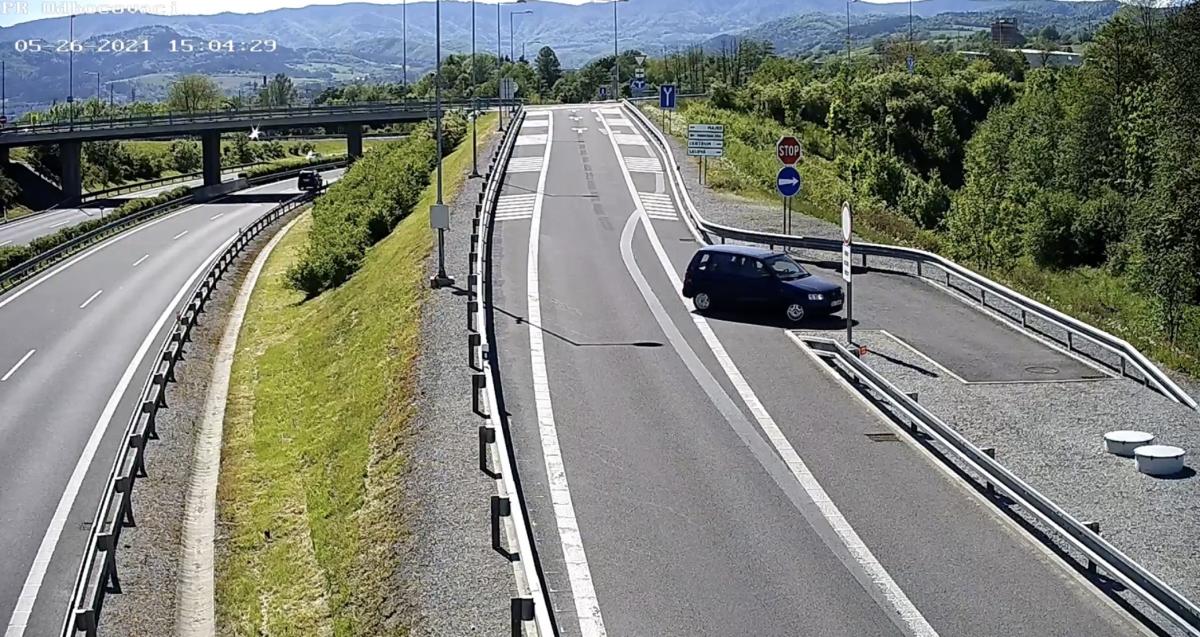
{"x": 250, "y": 115}
{"x": 1106, "y": 349}
{"x": 161, "y": 181}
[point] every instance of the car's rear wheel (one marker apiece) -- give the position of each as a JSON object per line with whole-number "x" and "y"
{"x": 702, "y": 301}
{"x": 795, "y": 313}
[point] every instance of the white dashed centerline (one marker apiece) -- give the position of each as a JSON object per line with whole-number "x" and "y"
{"x": 216, "y": 216}
{"x": 18, "y": 365}
{"x": 91, "y": 298}
{"x": 139, "y": 261}
{"x": 60, "y": 224}
{"x": 179, "y": 235}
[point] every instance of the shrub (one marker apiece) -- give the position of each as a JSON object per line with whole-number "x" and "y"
{"x": 365, "y": 205}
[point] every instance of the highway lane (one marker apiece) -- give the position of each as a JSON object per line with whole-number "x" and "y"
{"x": 690, "y": 477}
{"x": 81, "y": 333}
{"x": 24, "y": 230}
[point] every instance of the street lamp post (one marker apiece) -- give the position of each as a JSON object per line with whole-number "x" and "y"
{"x": 474, "y": 101}
{"x": 512, "y": 38}
{"x": 616, "y": 55}
{"x": 71, "y": 72}
{"x": 442, "y": 279}
{"x": 404, "y": 41}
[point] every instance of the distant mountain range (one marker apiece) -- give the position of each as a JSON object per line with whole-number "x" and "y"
{"x": 320, "y": 45}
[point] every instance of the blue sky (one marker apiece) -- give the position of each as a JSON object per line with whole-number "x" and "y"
{"x": 14, "y": 11}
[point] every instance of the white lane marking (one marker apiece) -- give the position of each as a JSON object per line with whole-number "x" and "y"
{"x": 37, "y": 571}
{"x": 139, "y": 261}
{"x": 644, "y": 164}
{"x": 60, "y": 224}
{"x": 534, "y": 139}
{"x": 587, "y": 607}
{"x": 525, "y": 165}
{"x": 91, "y": 298}
{"x": 216, "y": 216}
{"x": 18, "y": 365}
{"x": 629, "y": 139}
{"x": 910, "y": 619}
{"x": 179, "y": 235}
{"x": 4, "y": 243}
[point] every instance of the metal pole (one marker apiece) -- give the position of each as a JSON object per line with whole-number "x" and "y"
{"x": 3, "y": 88}
{"x": 848, "y": 33}
{"x": 404, "y": 39}
{"x": 616, "y": 57}
{"x": 511, "y": 48}
{"x": 441, "y": 280}
{"x": 71, "y": 72}
{"x": 474, "y": 101}
{"x": 499, "y": 68}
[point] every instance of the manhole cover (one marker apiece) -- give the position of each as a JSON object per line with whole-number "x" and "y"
{"x": 1044, "y": 370}
{"x": 882, "y": 436}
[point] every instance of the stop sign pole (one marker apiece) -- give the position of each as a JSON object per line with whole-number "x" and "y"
{"x": 787, "y": 150}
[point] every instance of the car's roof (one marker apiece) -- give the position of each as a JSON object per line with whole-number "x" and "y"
{"x": 746, "y": 251}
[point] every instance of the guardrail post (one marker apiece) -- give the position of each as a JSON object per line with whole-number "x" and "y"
{"x": 501, "y": 508}
{"x": 478, "y": 383}
{"x": 472, "y": 308}
{"x": 138, "y": 442}
{"x": 150, "y": 408}
{"x": 473, "y": 343}
{"x": 991, "y": 453}
{"x": 107, "y": 542}
{"x": 914, "y": 396}
{"x": 487, "y": 436}
{"x": 522, "y": 611}
{"x": 1094, "y": 527}
{"x": 1070, "y": 341}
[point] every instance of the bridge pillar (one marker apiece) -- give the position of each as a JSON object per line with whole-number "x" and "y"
{"x": 211, "y": 151}
{"x": 72, "y": 176}
{"x": 354, "y": 146}
{"x": 4, "y": 157}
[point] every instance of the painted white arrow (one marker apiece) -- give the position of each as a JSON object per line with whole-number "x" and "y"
{"x": 579, "y": 130}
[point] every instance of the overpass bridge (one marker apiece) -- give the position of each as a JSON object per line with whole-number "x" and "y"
{"x": 208, "y": 126}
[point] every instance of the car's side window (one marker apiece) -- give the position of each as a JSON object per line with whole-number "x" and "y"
{"x": 757, "y": 270}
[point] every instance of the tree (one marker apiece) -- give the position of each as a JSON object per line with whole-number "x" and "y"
{"x": 1050, "y": 34}
{"x": 279, "y": 92}
{"x": 185, "y": 155}
{"x": 192, "y": 93}
{"x": 548, "y": 69}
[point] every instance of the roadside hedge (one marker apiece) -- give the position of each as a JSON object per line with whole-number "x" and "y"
{"x": 13, "y": 255}
{"x": 365, "y": 205}
{"x": 284, "y": 165}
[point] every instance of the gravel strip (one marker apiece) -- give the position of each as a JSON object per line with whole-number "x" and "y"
{"x": 1050, "y": 434}
{"x": 456, "y": 584}
{"x": 148, "y": 559}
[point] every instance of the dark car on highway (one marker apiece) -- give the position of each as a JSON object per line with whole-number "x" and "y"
{"x": 309, "y": 180}
{"x": 747, "y": 277}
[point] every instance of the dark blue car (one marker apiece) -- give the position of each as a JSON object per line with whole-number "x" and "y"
{"x": 743, "y": 276}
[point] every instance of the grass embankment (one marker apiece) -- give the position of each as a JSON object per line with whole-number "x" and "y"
{"x": 319, "y": 404}
{"x": 1094, "y": 295}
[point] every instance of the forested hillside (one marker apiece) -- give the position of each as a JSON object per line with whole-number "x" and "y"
{"x": 1082, "y": 186}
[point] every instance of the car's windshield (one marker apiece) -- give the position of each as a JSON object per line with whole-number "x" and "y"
{"x": 785, "y": 268}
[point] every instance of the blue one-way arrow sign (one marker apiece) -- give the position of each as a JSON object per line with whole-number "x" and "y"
{"x": 788, "y": 182}
{"x": 666, "y": 96}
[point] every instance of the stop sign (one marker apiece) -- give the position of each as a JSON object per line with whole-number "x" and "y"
{"x": 788, "y": 150}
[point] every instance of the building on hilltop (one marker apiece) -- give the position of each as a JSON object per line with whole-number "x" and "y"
{"x": 1005, "y": 33}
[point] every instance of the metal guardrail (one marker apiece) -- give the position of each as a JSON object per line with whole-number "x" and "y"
{"x": 536, "y": 607}
{"x": 1130, "y": 359}
{"x": 15, "y": 275}
{"x": 97, "y": 575}
{"x": 362, "y": 108}
{"x": 160, "y": 181}
{"x": 1177, "y": 609}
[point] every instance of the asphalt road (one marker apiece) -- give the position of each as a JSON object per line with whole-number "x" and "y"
{"x": 73, "y": 359}
{"x": 43, "y": 223}
{"x": 692, "y": 476}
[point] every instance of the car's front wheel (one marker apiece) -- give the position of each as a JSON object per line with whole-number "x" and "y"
{"x": 702, "y": 301}
{"x": 795, "y": 313}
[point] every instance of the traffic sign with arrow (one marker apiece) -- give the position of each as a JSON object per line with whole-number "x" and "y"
{"x": 788, "y": 181}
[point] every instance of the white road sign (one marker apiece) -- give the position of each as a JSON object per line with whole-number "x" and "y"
{"x": 847, "y": 232}
{"x": 706, "y": 140}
